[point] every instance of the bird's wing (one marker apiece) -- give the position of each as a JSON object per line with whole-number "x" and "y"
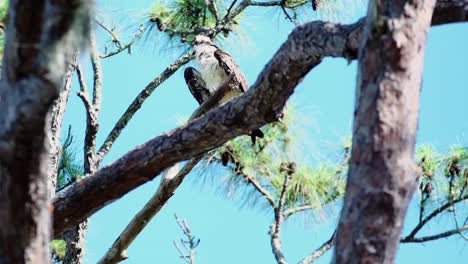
{"x": 230, "y": 67}
{"x": 196, "y": 85}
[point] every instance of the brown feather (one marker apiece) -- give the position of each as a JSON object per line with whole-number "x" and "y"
{"x": 196, "y": 85}
{"x": 226, "y": 62}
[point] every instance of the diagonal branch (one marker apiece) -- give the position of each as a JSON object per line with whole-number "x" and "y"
{"x": 260, "y": 189}
{"x": 211, "y": 4}
{"x": 138, "y": 102}
{"x": 111, "y": 32}
{"x": 450, "y": 11}
{"x": 434, "y": 237}
{"x": 319, "y": 251}
{"x": 117, "y": 252}
{"x": 57, "y": 114}
{"x": 304, "y": 49}
{"x": 167, "y": 187}
{"x": 434, "y": 214}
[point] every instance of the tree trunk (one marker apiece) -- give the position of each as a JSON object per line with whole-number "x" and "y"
{"x": 31, "y": 77}
{"x": 382, "y": 175}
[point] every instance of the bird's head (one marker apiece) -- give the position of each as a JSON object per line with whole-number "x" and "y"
{"x": 201, "y": 40}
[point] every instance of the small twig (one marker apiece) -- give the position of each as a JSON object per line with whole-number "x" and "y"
{"x": 126, "y": 46}
{"x": 457, "y": 226}
{"x": 434, "y": 214}
{"x": 344, "y": 163}
{"x": 275, "y": 230}
{"x": 452, "y": 232}
{"x": 287, "y": 14}
{"x": 115, "y": 39}
{"x": 260, "y": 189}
{"x": 189, "y": 245}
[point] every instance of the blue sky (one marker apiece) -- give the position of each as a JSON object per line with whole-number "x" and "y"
{"x": 230, "y": 233}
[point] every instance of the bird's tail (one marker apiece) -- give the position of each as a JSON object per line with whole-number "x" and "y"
{"x": 170, "y": 172}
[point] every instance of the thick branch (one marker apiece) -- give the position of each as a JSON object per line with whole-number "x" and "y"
{"x": 450, "y": 11}
{"x": 304, "y": 49}
{"x": 262, "y": 104}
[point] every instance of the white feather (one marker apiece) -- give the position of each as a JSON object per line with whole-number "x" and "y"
{"x": 211, "y": 72}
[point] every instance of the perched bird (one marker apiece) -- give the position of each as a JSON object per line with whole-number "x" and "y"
{"x": 215, "y": 67}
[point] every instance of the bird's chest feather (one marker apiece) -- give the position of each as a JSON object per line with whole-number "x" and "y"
{"x": 211, "y": 72}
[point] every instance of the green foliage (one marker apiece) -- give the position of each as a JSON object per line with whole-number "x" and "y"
{"x": 266, "y": 161}
{"x": 69, "y": 170}
{"x": 3, "y": 21}
{"x": 58, "y": 248}
{"x": 427, "y": 157}
{"x": 182, "y": 18}
{"x": 444, "y": 177}
{"x": 3, "y": 11}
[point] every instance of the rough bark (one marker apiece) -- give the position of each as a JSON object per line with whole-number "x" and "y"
{"x": 57, "y": 112}
{"x": 382, "y": 174}
{"x": 74, "y": 239}
{"x": 450, "y": 11}
{"x": 32, "y": 75}
{"x": 303, "y": 50}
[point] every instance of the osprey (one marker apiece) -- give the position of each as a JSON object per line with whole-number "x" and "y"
{"x": 215, "y": 67}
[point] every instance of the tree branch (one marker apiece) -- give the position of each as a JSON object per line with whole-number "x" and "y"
{"x": 167, "y": 187}
{"x": 304, "y": 49}
{"x": 57, "y": 113}
{"x": 138, "y": 102}
{"x": 127, "y": 46}
{"x": 434, "y": 214}
{"x": 211, "y": 4}
{"x": 111, "y": 32}
{"x": 275, "y": 230}
{"x": 450, "y": 11}
{"x": 434, "y": 237}
{"x": 142, "y": 218}
{"x": 305, "y": 207}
